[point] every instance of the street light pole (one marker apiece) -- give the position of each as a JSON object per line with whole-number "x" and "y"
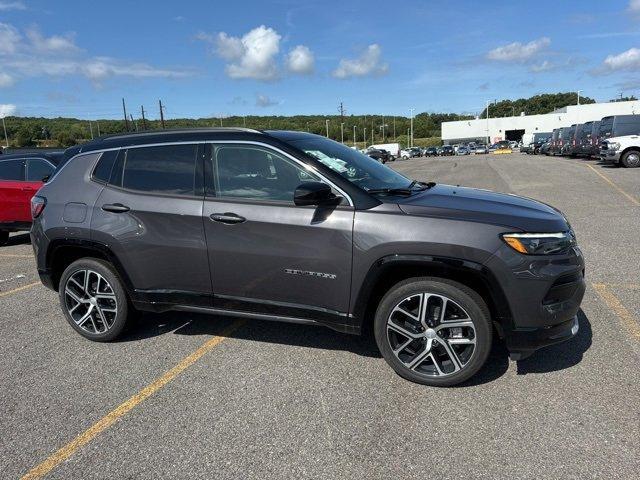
{"x": 354, "y": 135}
{"x": 579, "y": 96}
{"x": 364, "y": 137}
{"x": 6, "y": 138}
{"x": 342, "y": 132}
{"x": 327, "y": 125}
{"x": 411, "y": 110}
{"x": 488, "y": 139}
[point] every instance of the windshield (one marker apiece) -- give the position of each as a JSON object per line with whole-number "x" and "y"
{"x": 351, "y": 164}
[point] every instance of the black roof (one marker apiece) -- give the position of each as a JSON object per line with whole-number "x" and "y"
{"x": 53, "y": 157}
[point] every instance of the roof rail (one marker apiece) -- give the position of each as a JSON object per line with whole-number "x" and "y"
{"x": 178, "y": 130}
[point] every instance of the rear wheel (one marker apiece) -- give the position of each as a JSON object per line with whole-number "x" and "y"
{"x": 4, "y": 237}
{"x": 631, "y": 159}
{"x": 93, "y": 299}
{"x": 433, "y": 331}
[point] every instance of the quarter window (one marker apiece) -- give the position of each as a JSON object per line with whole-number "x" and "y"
{"x": 251, "y": 172}
{"x": 102, "y": 172}
{"x": 168, "y": 169}
{"x": 11, "y": 170}
{"x": 37, "y": 169}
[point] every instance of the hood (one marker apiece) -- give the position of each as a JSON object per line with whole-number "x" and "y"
{"x": 476, "y": 205}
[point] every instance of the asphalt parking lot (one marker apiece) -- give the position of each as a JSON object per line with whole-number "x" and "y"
{"x": 188, "y": 396}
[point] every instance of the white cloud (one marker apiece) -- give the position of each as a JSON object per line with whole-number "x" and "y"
{"x": 6, "y": 6}
{"x": 545, "y": 66}
{"x": 634, "y": 6}
{"x": 300, "y": 60}
{"x": 7, "y": 109}
{"x": 54, "y": 44}
{"x": 9, "y": 39}
{"x": 49, "y": 57}
{"x": 6, "y": 80}
{"x": 518, "y": 52}
{"x": 368, "y": 63}
{"x": 264, "y": 101}
{"x": 629, "y": 60}
{"x": 251, "y": 56}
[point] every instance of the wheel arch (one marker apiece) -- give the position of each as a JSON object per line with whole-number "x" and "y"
{"x": 61, "y": 253}
{"x": 633, "y": 148}
{"x": 390, "y": 270}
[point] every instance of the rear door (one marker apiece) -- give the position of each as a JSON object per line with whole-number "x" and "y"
{"x": 11, "y": 191}
{"x": 268, "y": 255}
{"x": 150, "y": 214}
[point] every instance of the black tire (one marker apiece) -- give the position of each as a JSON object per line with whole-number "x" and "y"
{"x": 4, "y": 238}
{"x": 630, "y": 159}
{"x": 466, "y": 298}
{"x": 121, "y": 318}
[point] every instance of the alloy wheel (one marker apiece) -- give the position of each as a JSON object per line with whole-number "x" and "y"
{"x": 431, "y": 334}
{"x": 633, "y": 159}
{"x": 90, "y": 301}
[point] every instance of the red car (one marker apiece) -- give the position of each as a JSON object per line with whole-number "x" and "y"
{"x": 21, "y": 176}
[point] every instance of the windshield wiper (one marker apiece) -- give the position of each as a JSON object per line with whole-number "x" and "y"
{"x": 408, "y": 190}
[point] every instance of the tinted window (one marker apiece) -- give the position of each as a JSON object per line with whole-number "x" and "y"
{"x": 11, "y": 169}
{"x": 37, "y": 169}
{"x": 627, "y": 127}
{"x": 102, "y": 172}
{"x": 166, "y": 169}
{"x": 606, "y": 126}
{"x": 256, "y": 173}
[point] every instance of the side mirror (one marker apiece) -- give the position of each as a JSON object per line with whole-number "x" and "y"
{"x": 315, "y": 193}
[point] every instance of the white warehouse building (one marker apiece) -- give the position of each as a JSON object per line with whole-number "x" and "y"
{"x": 512, "y": 128}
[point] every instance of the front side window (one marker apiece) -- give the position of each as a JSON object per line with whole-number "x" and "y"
{"x": 167, "y": 169}
{"x": 351, "y": 164}
{"x": 37, "y": 169}
{"x": 11, "y": 169}
{"x": 253, "y": 172}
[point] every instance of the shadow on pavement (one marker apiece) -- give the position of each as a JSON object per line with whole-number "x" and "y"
{"x": 560, "y": 356}
{"x": 310, "y": 336}
{"x": 20, "y": 239}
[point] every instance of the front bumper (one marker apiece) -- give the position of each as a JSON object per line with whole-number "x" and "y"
{"x": 610, "y": 156}
{"x": 543, "y": 293}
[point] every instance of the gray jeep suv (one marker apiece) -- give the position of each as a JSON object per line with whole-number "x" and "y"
{"x": 294, "y": 227}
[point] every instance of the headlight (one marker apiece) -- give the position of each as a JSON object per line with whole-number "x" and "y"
{"x": 540, "y": 243}
{"x": 613, "y": 146}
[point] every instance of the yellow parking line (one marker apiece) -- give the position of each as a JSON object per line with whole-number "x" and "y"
{"x": 114, "y": 415}
{"x": 631, "y": 198}
{"x": 19, "y": 289}
{"x": 627, "y": 320}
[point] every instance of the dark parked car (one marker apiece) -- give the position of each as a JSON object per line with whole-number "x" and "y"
{"x": 566, "y": 134}
{"x": 593, "y": 149}
{"x": 295, "y": 227}
{"x": 447, "y": 150}
{"x": 544, "y": 148}
{"x": 554, "y": 144}
{"x": 380, "y": 155}
{"x": 21, "y": 175}
{"x": 431, "y": 152}
{"x": 618, "y": 126}
{"x": 583, "y": 139}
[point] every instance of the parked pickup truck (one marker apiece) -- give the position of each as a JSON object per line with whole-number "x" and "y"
{"x": 623, "y": 150}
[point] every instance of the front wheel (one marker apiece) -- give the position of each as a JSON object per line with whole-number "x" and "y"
{"x": 631, "y": 159}
{"x": 433, "y": 331}
{"x": 4, "y": 238}
{"x": 93, "y": 299}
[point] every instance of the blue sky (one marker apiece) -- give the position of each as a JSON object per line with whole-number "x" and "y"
{"x": 212, "y": 58}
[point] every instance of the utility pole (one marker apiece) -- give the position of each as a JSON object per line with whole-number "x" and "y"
{"x": 394, "y": 129}
{"x": 6, "y": 138}
{"x": 133, "y": 122}
{"x": 91, "y": 129}
{"x": 342, "y": 132}
{"x": 144, "y": 120}
{"x": 354, "y": 135}
{"x": 383, "y": 135}
{"x": 244, "y": 121}
{"x": 161, "y": 113}
{"x": 126, "y": 121}
{"x": 411, "y": 111}
{"x": 579, "y": 96}
{"x": 488, "y": 139}
{"x": 326, "y": 122}
{"x": 364, "y": 137}
{"x": 98, "y": 125}
{"x": 342, "y": 111}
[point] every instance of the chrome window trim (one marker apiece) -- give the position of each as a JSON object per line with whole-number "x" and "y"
{"x": 213, "y": 142}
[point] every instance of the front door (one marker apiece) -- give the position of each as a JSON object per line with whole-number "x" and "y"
{"x": 266, "y": 254}
{"x": 12, "y": 191}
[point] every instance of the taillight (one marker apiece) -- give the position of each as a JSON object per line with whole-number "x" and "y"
{"x": 37, "y": 206}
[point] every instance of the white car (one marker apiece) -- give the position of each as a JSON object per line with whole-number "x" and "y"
{"x": 623, "y": 151}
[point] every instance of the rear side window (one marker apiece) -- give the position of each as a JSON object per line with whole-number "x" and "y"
{"x": 37, "y": 169}
{"x": 11, "y": 170}
{"x": 169, "y": 169}
{"x": 627, "y": 127}
{"x": 102, "y": 172}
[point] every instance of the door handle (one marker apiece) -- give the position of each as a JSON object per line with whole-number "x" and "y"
{"x": 228, "y": 218}
{"x": 115, "y": 208}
